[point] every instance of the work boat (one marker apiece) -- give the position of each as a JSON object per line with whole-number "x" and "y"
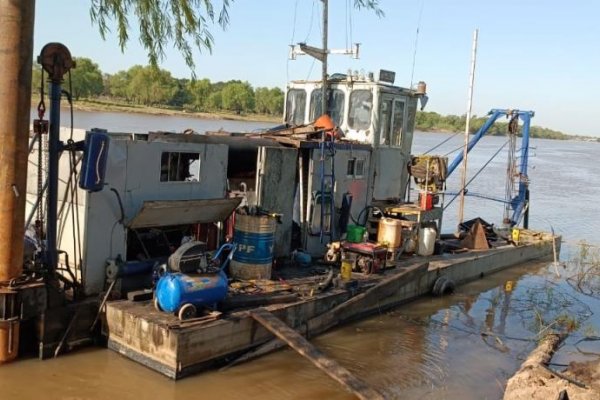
{"x": 198, "y": 250}
{"x": 319, "y": 222}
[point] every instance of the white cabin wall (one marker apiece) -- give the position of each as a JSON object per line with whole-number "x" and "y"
{"x": 133, "y": 169}
{"x": 105, "y": 238}
{"x": 358, "y": 187}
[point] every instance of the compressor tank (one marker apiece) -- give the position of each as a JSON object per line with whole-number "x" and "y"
{"x": 174, "y": 290}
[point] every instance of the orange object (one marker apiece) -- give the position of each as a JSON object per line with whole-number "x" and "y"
{"x": 325, "y": 123}
{"x": 9, "y": 339}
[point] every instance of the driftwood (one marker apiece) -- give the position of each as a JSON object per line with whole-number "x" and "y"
{"x": 320, "y": 360}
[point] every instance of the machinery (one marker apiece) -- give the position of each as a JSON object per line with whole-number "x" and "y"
{"x": 194, "y": 280}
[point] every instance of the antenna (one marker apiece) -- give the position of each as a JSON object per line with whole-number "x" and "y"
{"x": 322, "y": 53}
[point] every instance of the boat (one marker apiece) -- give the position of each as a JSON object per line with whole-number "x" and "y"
{"x": 307, "y": 225}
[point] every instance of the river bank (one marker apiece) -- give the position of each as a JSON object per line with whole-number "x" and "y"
{"x": 98, "y": 105}
{"x": 536, "y": 381}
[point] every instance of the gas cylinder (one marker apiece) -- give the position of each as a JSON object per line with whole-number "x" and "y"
{"x": 175, "y": 290}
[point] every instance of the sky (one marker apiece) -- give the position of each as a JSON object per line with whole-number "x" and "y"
{"x": 540, "y": 55}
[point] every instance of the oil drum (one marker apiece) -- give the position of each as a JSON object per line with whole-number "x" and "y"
{"x": 254, "y": 237}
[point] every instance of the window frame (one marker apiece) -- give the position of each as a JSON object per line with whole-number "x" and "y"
{"x": 196, "y": 177}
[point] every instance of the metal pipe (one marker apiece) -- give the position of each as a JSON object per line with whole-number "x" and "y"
{"x": 463, "y": 179}
{"x": 56, "y": 60}
{"x": 16, "y": 48}
{"x": 53, "y": 158}
{"x": 324, "y": 62}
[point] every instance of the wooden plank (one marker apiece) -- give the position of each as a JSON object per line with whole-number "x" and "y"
{"x": 364, "y": 302}
{"x": 320, "y": 360}
{"x": 367, "y": 300}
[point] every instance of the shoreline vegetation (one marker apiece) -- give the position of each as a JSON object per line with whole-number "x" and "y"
{"x": 151, "y": 90}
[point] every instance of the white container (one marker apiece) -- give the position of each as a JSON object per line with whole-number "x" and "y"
{"x": 427, "y": 237}
{"x": 389, "y": 232}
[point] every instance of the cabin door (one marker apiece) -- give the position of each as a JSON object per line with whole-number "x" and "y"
{"x": 275, "y": 189}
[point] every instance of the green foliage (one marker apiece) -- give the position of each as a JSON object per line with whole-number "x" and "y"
{"x": 86, "y": 78}
{"x": 185, "y": 23}
{"x": 238, "y": 97}
{"x": 269, "y": 101}
{"x": 432, "y": 121}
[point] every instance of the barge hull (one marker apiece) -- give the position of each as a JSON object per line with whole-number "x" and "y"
{"x": 176, "y": 350}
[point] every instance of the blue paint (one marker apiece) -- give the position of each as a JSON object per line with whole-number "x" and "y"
{"x": 253, "y": 247}
{"x": 93, "y": 167}
{"x": 519, "y": 201}
{"x": 176, "y": 289}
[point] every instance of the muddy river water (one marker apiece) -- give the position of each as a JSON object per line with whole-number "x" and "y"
{"x": 429, "y": 349}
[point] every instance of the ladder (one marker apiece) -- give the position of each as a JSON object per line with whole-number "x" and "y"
{"x": 327, "y": 189}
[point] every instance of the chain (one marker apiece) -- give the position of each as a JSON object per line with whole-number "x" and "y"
{"x": 42, "y": 149}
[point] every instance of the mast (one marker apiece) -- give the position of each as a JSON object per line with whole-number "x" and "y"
{"x": 463, "y": 178}
{"x": 321, "y": 54}
{"x": 324, "y": 61}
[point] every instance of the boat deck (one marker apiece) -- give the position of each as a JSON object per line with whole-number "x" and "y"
{"x": 178, "y": 348}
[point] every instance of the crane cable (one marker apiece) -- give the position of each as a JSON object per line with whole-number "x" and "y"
{"x": 476, "y": 174}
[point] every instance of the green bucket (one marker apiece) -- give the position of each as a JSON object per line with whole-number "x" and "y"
{"x": 355, "y": 233}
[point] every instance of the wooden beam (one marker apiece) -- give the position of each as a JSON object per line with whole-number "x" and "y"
{"x": 342, "y": 313}
{"x": 320, "y": 360}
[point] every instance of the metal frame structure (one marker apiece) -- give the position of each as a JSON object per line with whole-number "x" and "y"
{"x": 519, "y": 202}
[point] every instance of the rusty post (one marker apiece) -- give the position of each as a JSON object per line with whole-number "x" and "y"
{"x": 16, "y": 49}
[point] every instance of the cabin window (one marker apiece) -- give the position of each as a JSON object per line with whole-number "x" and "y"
{"x": 295, "y": 106}
{"x": 335, "y": 105}
{"x": 356, "y": 168}
{"x": 361, "y": 104}
{"x": 385, "y": 122}
{"x": 397, "y": 123}
{"x": 179, "y": 167}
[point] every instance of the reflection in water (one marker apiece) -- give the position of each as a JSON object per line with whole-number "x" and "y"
{"x": 432, "y": 348}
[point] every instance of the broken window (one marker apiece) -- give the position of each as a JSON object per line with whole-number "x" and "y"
{"x": 179, "y": 167}
{"x": 361, "y": 104}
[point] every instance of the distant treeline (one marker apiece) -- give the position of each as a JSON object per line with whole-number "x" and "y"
{"x": 432, "y": 121}
{"x": 148, "y": 86}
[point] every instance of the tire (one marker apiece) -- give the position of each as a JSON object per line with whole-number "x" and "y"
{"x": 187, "y": 311}
{"x": 443, "y": 286}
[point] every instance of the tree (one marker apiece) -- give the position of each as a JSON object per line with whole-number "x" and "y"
{"x": 200, "y": 91}
{"x": 269, "y": 101}
{"x": 182, "y": 22}
{"x": 86, "y": 79}
{"x": 238, "y": 97}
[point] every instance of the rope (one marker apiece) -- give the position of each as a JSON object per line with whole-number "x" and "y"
{"x": 441, "y": 143}
{"x": 476, "y": 174}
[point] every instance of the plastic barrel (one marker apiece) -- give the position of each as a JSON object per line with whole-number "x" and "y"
{"x": 254, "y": 237}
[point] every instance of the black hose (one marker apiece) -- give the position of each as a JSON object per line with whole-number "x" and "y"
{"x": 122, "y": 219}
